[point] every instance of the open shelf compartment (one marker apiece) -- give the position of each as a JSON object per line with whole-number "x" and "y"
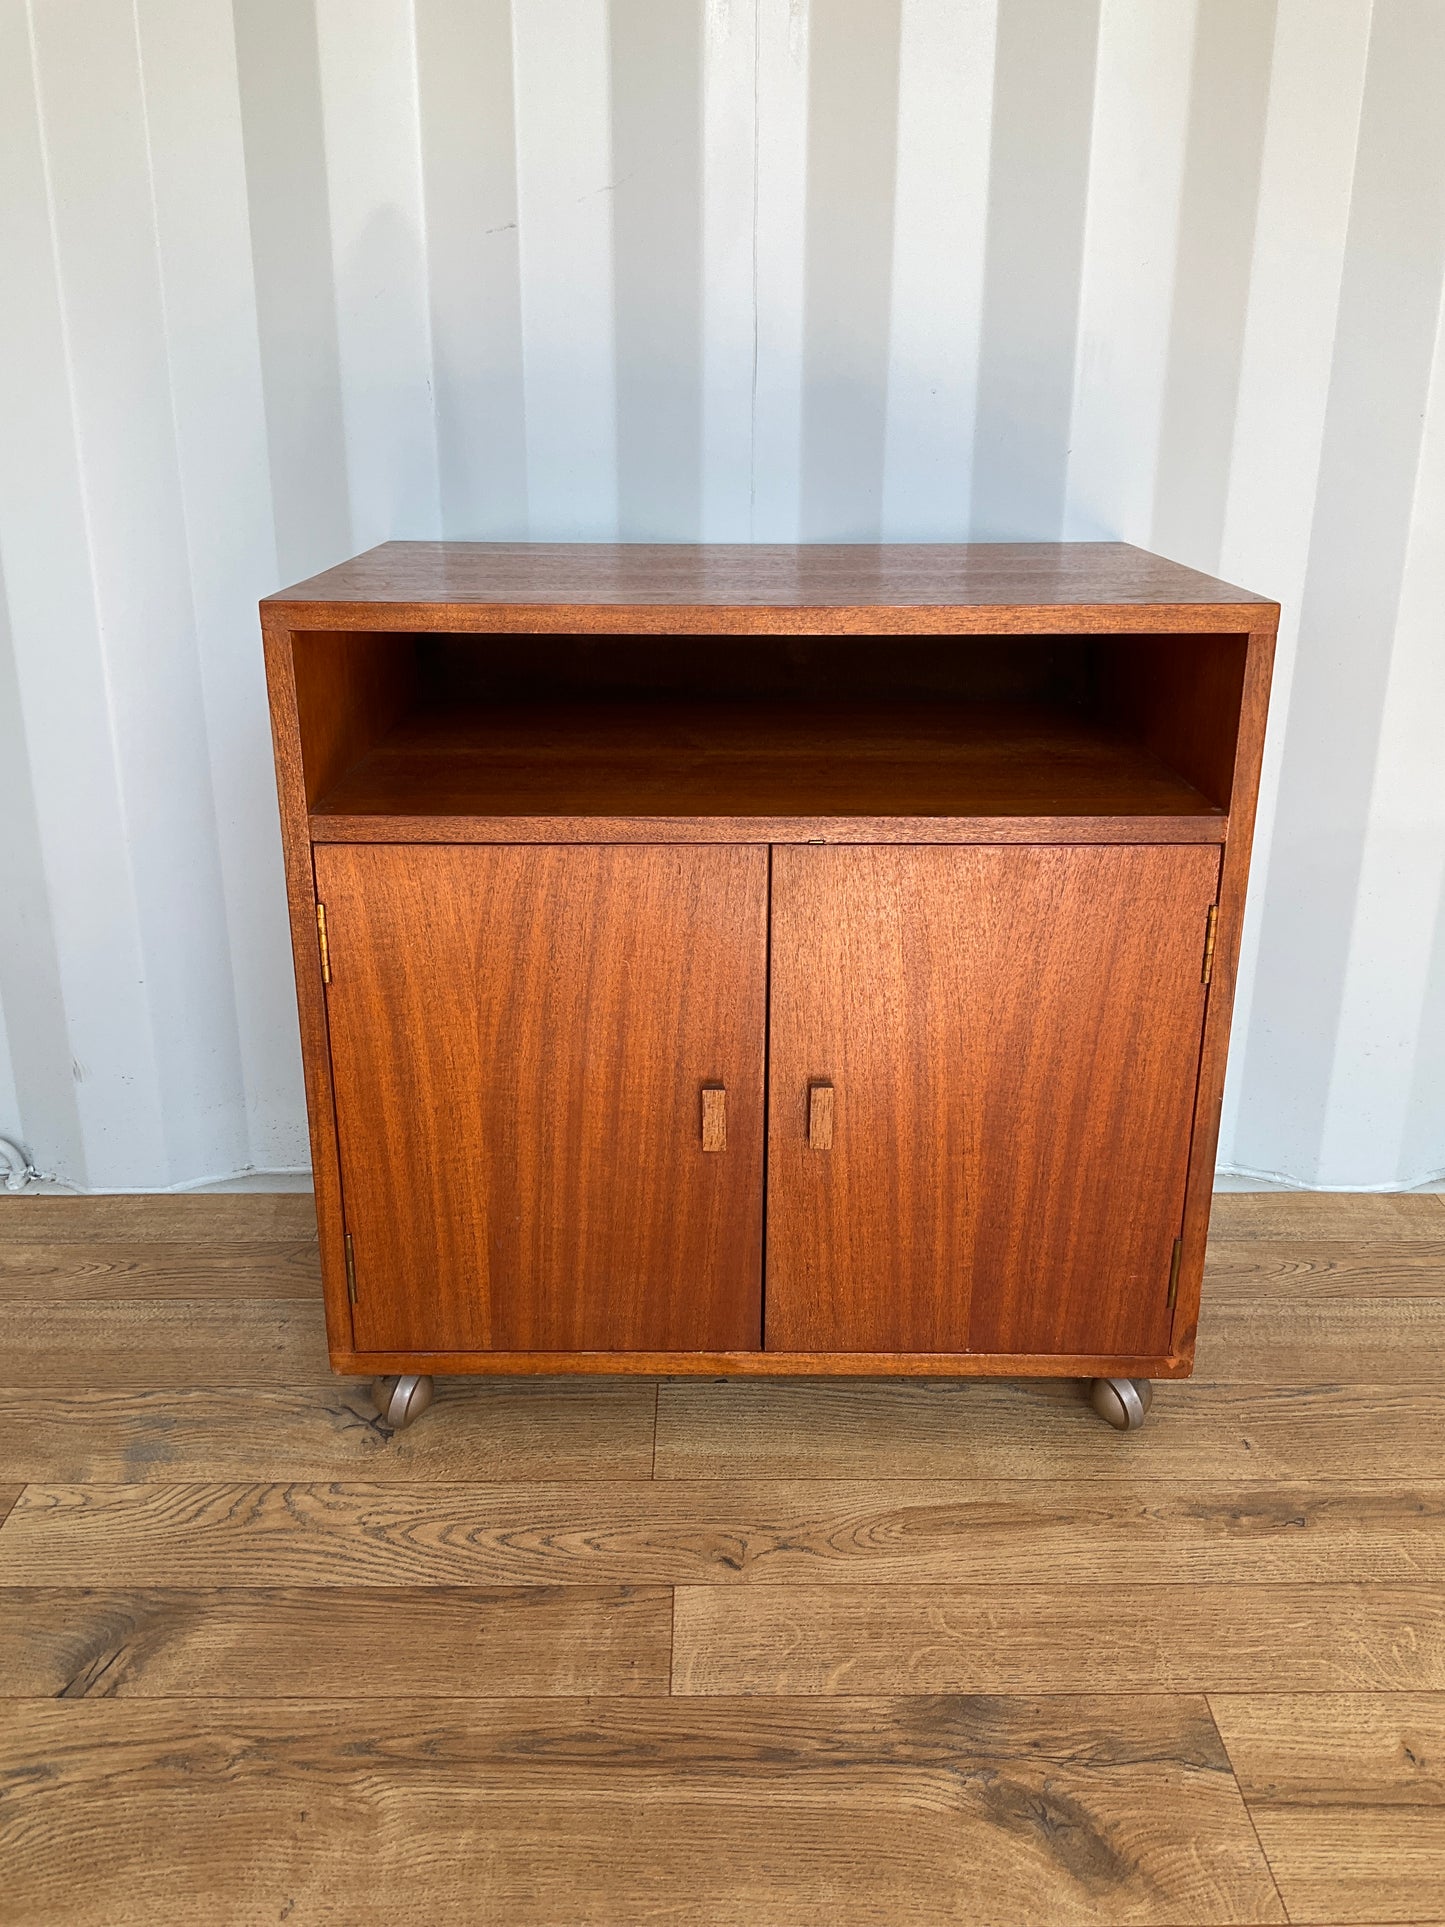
{"x": 492, "y": 737}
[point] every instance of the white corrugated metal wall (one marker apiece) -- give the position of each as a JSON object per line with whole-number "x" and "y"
{"x": 282, "y": 278}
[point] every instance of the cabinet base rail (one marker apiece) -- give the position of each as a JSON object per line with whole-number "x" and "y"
{"x": 760, "y": 1364}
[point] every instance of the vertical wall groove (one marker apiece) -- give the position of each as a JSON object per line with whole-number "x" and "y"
{"x": 657, "y": 270}
{"x": 279, "y": 79}
{"x": 1214, "y": 243}
{"x": 469, "y": 166}
{"x": 1389, "y": 309}
{"x": 853, "y": 60}
{"x": 1043, "y": 93}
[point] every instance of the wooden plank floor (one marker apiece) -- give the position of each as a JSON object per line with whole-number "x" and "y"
{"x": 709, "y": 1651}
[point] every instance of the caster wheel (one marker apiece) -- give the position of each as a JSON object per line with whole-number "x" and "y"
{"x": 1122, "y": 1402}
{"x": 401, "y": 1401}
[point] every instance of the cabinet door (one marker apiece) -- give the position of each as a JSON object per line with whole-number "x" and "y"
{"x": 521, "y": 1039}
{"x": 1005, "y": 1043}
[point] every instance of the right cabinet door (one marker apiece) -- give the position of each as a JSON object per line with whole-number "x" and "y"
{"x": 982, "y": 1070}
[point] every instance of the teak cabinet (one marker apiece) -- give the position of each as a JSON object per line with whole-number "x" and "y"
{"x": 765, "y": 960}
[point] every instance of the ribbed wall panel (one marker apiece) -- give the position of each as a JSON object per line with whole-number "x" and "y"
{"x": 287, "y": 277}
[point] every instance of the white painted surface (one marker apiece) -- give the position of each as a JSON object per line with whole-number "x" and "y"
{"x": 562, "y": 94}
{"x": 287, "y": 277}
{"x": 729, "y": 63}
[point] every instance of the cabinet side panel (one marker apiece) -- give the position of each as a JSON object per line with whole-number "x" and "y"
{"x": 310, "y": 993}
{"x": 350, "y": 687}
{"x": 521, "y": 1040}
{"x": 1233, "y": 885}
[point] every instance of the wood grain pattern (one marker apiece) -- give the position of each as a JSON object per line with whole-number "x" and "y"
{"x": 1058, "y": 1639}
{"x": 298, "y": 1643}
{"x": 639, "y": 587}
{"x": 1337, "y": 1749}
{"x": 1183, "y": 703}
{"x": 285, "y": 1268}
{"x": 978, "y": 1430}
{"x": 1347, "y": 1793}
{"x": 1270, "y": 1540}
{"x": 1390, "y": 1341}
{"x": 1274, "y": 1215}
{"x": 221, "y": 1220}
{"x": 1081, "y": 1812}
{"x": 71, "y": 1344}
{"x": 349, "y": 690}
{"x": 1252, "y": 1269}
{"x": 779, "y": 1535}
{"x": 327, "y": 1428}
{"x": 518, "y": 1039}
{"x": 773, "y": 1364}
{"x": 1013, "y": 1036}
{"x": 717, "y": 759}
{"x": 764, "y": 830}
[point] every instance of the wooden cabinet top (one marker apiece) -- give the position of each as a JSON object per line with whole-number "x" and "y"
{"x": 966, "y": 588}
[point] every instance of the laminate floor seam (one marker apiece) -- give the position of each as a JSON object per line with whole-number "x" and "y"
{"x": 349, "y": 1475}
{"x": 754, "y": 1481}
{"x": 709, "y": 1702}
{"x": 1248, "y": 1810}
{"x": 739, "y": 1589}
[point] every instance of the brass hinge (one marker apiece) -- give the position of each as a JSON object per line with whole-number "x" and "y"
{"x": 321, "y": 940}
{"x": 1209, "y": 930}
{"x": 1174, "y": 1263}
{"x": 350, "y": 1270}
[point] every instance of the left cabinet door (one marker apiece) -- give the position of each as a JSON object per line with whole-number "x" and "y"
{"x": 527, "y": 1046}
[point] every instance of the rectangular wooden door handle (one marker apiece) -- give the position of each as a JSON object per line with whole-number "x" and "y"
{"x": 820, "y": 1117}
{"x": 714, "y": 1118}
